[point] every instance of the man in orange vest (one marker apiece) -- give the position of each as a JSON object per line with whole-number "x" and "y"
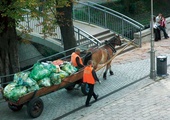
{"x": 77, "y": 62}
{"x": 90, "y": 77}
{"x": 76, "y": 59}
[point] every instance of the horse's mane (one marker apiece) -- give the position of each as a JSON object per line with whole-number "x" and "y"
{"x": 87, "y": 58}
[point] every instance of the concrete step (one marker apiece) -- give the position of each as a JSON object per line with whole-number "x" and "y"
{"x": 102, "y": 33}
{"x": 106, "y": 36}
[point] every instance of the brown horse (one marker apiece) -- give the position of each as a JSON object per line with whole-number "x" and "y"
{"x": 102, "y": 54}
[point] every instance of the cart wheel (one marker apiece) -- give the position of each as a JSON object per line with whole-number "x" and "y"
{"x": 35, "y": 107}
{"x": 15, "y": 107}
{"x": 84, "y": 88}
{"x": 70, "y": 87}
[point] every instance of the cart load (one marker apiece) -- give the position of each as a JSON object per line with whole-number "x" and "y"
{"x": 44, "y": 74}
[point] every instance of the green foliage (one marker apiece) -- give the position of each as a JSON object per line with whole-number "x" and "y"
{"x": 18, "y": 9}
{"x": 140, "y": 9}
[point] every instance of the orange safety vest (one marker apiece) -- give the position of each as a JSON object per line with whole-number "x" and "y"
{"x": 87, "y": 75}
{"x": 73, "y": 59}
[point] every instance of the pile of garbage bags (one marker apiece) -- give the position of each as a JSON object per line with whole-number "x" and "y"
{"x": 43, "y": 74}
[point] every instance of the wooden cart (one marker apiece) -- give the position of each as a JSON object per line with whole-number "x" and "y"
{"x": 32, "y": 100}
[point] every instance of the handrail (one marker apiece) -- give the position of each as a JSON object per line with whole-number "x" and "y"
{"x": 31, "y": 24}
{"x": 99, "y": 15}
{"x": 91, "y": 37}
{"x": 120, "y": 14}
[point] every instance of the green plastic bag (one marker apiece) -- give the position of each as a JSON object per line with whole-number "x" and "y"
{"x": 13, "y": 92}
{"x": 63, "y": 74}
{"x": 7, "y": 90}
{"x": 45, "y": 82}
{"x": 55, "y": 78}
{"x": 18, "y": 92}
{"x": 67, "y": 67}
{"x": 39, "y": 72}
{"x": 49, "y": 66}
{"x": 33, "y": 88}
{"x": 30, "y": 82}
{"x": 21, "y": 77}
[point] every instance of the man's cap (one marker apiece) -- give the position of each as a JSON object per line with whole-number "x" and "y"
{"x": 77, "y": 49}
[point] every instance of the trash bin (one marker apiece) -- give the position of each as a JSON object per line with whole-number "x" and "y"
{"x": 161, "y": 65}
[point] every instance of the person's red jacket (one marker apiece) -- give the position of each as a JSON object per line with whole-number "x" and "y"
{"x": 163, "y": 22}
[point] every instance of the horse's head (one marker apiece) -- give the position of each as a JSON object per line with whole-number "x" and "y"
{"x": 115, "y": 40}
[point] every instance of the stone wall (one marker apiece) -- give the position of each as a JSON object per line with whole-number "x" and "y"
{"x": 146, "y": 34}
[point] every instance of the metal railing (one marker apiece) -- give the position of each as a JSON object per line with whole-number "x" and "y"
{"x": 81, "y": 35}
{"x": 99, "y": 15}
{"x": 84, "y": 37}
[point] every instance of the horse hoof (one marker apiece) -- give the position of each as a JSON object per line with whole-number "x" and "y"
{"x": 104, "y": 78}
{"x": 111, "y": 73}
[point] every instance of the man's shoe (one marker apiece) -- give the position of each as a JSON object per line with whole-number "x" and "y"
{"x": 96, "y": 97}
{"x": 88, "y": 105}
{"x": 167, "y": 37}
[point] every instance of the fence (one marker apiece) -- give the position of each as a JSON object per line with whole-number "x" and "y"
{"x": 99, "y": 15}
{"x": 82, "y": 36}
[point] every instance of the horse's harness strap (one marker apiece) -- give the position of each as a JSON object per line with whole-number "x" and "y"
{"x": 112, "y": 48}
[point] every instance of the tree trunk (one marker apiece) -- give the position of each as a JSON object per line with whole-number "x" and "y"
{"x": 9, "y": 62}
{"x": 66, "y": 27}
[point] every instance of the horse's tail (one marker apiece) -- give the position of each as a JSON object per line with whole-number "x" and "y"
{"x": 87, "y": 58}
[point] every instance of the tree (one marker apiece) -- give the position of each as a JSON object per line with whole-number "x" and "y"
{"x": 9, "y": 62}
{"x": 12, "y": 12}
{"x": 66, "y": 26}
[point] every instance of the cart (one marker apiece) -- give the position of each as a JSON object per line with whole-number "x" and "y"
{"x": 33, "y": 101}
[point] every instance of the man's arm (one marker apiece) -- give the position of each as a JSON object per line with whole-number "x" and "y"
{"x": 95, "y": 76}
{"x": 78, "y": 62}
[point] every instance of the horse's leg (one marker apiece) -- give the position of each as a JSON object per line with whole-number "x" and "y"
{"x": 110, "y": 70}
{"x": 105, "y": 73}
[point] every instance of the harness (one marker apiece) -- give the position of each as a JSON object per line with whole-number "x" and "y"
{"x": 111, "y": 46}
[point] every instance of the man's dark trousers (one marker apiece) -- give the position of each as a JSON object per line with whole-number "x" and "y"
{"x": 90, "y": 94}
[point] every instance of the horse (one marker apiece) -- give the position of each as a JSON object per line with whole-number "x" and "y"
{"x": 102, "y": 54}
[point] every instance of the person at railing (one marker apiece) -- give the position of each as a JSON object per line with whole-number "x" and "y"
{"x": 76, "y": 60}
{"x": 158, "y": 23}
{"x": 157, "y": 33}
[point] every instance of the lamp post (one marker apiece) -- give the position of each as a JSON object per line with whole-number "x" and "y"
{"x": 152, "y": 52}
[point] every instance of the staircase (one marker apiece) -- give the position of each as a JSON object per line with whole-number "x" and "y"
{"x": 106, "y": 35}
